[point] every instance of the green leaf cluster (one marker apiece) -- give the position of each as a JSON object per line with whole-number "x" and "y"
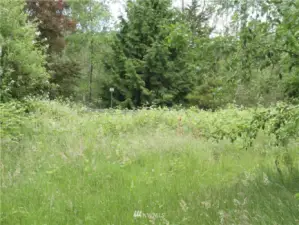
{"x": 22, "y": 61}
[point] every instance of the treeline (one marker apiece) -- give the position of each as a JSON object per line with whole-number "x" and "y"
{"x": 156, "y": 55}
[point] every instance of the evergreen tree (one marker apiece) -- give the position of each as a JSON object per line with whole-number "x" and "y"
{"x": 22, "y": 67}
{"x": 197, "y": 16}
{"x": 149, "y": 61}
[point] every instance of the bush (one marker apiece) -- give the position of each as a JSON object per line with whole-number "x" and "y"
{"x": 13, "y": 117}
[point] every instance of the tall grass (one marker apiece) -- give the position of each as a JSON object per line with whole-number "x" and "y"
{"x": 69, "y": 166}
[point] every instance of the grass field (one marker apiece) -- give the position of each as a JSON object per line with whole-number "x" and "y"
{"x": 66, "y": 166}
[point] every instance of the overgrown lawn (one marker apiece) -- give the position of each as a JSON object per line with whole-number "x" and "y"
{"x": 69, "y": 166}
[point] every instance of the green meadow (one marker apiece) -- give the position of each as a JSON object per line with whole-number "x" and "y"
{"x": 64, "y": 164}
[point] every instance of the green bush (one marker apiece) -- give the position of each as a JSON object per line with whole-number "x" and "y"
{"x": 13, "y": 117}
{"x": 23, "y": 69}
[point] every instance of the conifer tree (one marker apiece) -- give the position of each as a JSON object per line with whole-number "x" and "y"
{"x": 149, "y": 62}
{"x": 22, "y": 63}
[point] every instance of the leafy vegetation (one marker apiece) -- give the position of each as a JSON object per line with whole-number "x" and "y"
{"x": 73, "y": 166}
{"x": 22, "y": 66}
{"x": 156, "y": 55}
{"x": 205, "y": 125}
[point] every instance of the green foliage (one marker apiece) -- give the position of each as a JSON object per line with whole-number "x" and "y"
{"x": 197, "y": 17}
{"x": 266, "y": 42}
{"x": 281, "y": 121}
{"x": 13, "y": 118}
{"x": 65, "y": 73}
{"x": 54, "y": 23}
{"x": 22, "y": 63}
{"x": 241, "y": 125}
{"x": 89, "y": 45}
{"x": 150, "y": 62}
{"x": 87, "y": 163}
{"x": 287, "y": 33}
{"x": 91, "y": 15}
{"x": 63, "y": 163}
{"x": 156, "y": 56}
